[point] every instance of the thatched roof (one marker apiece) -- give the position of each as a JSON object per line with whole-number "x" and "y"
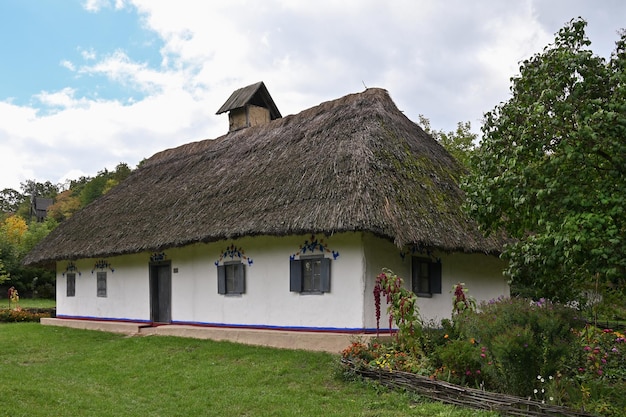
{"x": 351, "y": 164}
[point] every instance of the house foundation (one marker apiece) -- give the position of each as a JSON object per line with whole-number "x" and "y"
{"x": 284, "y": 339}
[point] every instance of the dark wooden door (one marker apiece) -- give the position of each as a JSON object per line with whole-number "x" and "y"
{"x": 161, "y": 292}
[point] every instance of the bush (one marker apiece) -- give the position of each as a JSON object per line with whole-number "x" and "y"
{"x": 25, "y": 315}
{"x": 523, "y": 340}
{"x": 461, "y": 362}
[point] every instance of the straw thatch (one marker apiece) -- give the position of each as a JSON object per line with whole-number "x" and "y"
{"x": 352, "y": 164}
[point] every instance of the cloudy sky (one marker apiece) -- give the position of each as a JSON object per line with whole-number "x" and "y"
{"x": 86, "y": 84}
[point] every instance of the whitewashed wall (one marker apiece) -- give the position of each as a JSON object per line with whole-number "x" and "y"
{"x": 481, "y": 274}
{"x": 267, "y": 300}
{"x": 127, "y": 290}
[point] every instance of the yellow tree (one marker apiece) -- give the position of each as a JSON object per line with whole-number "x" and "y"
{"x": 14, "y": 228}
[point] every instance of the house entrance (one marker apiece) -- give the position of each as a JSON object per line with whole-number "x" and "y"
{"x": 161, "y": 292}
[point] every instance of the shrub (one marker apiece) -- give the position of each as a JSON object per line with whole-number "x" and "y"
{"x": 524, "y": 339}
{"x": 386, "y": 356}
{"x": 461, "y": 362}
{"x": 22, "y": 315}
{"x": 402, "y": 309}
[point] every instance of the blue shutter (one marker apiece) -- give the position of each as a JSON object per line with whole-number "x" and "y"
{"x": 295, "y": 275}
{"x": 325, "y": 275}
{"x": 434, "y": 273}
{"x": 221, "y": 279}
{"x": 240, "y": 282}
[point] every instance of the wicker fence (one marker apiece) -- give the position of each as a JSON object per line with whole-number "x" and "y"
{"x": 463, "y": 396}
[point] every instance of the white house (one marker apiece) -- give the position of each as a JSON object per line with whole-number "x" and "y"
{"x": 282, "y": 224}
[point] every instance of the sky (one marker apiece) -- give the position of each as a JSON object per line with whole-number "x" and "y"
{"x": 88, "y": 84}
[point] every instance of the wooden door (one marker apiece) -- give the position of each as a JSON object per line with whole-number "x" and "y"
{"x": 161, "y": 292}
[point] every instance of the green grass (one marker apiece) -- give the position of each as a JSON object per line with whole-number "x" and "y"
{"x": 55, "y": 371}
{"x": 30, "y": 303}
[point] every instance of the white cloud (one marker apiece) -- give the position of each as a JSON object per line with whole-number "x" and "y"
{"x": 450, "y": 61}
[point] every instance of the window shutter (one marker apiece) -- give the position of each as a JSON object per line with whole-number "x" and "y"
{"x": 295, "y": 275}
{"x": 325, "y": 275}
{"x": 240, "y": 282}
{"x": 221, "y": 279}
{"x": 435, "y": 277}
{"x": 414, "y": 274}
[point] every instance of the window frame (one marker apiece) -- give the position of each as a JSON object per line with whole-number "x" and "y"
{"x": 101, "y": 284}
{"x": 239, "y": 271}
{"x": 70, "y": 289}
{"x": 297, "y": 275}
{"x": 434, "y": 278}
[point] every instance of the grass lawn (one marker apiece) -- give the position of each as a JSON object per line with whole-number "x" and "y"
{"x": 55, "y": 371}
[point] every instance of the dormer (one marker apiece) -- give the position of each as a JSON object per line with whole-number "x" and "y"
{"x": 249, "y": 106}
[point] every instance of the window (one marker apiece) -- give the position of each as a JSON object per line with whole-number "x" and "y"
{"x": 231, "y": 278}
{"x": 102, "y": 283}
{"x": 71, "y": 285}
{"x": 310, "y": 275}
{"x": 426, "y": 277}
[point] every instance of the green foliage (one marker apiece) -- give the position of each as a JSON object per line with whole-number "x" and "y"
{"x": 384, "y": 355}
{"x": 402, "y": 309}
{"x": 460, "y": 143}
{"x": 522, "y": 339}
{"x": 21, "y": 315}
{"x": 551, "y": 168}
{"x": 10, "y": 200}
{"x": 4, "y": 275}
{"x": 461, "y": 362}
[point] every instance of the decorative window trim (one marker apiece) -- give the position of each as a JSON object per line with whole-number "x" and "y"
{"x": 101, "y": 265}
{"x": 313, "y": 246}
{"x": 233, "y": 253}
{"x": 71, "y": 268}
{"x": 311, "y": 249}
{"x": 158, "y": 257}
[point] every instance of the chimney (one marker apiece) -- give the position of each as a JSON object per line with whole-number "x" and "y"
{"x": 249, "y": 106}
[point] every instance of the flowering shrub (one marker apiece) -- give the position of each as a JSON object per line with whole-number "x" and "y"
{"x": 21, "y": 315}
{"x": 524, "y": 340}
{"x": 603, "y": 354}
{"x": 533, "y": 349}
{"x": 385, "y": 356}
{"x": 462, "y": 362}
{"x": 402, "y": 309}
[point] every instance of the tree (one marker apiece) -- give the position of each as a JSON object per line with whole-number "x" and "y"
{"x": 10, "y": 200}
{"x": 65, "y": 204}
{"x": 551, "y": 168}
{"x": 461, "y": 142}
{"x": 37, "y": 189}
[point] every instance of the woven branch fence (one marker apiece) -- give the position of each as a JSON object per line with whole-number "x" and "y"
{"x": 462, "y": 396}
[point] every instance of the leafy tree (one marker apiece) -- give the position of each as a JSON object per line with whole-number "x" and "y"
{"x": 4, "y": 275}
{"x": 551, "y": 169}
{"x": 37, "y": 189}
{"x": 10, "y": 200}
{"x": 461, "y": 143}
{"x": 13, "y": 229}
{"x": 65, "y": 204}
